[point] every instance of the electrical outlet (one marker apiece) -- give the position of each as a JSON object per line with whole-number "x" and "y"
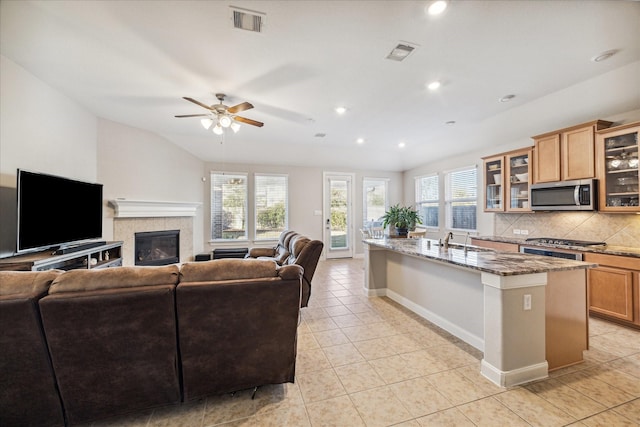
{"x": 527, "y": 302}
{"x": 516, "y": 231}
{"x": 525, "y": 232}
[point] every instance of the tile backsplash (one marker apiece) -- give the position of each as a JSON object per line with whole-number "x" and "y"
{"x": 615, "y": 229}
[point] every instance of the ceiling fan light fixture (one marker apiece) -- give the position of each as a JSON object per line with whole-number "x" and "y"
{"x": 224, "y": 121}
{"x": 206, "y": 123}
{"x": 217, "y": 129}
{"x": 235, "y": 127}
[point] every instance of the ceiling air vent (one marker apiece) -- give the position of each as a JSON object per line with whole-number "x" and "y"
{"x": 400, "y": 52}
{"x": 244, "y": 19}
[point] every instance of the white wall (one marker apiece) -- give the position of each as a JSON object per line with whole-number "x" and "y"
{"x": 305, "y": 196}
{"x": 140, "y": 165}
{"x": 43, "y": 131}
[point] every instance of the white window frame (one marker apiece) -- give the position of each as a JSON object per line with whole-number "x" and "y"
{"x": 385, "y": 181}
{"x": 418, "y": 197}
{"x": 255, "y": 205}
{"x": 449, "y": 199}
{"x": 245, "y": 176}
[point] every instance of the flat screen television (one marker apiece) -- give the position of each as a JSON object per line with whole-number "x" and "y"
{"x": 56, "y": 212}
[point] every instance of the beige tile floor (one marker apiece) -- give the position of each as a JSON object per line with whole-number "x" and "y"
{"x": 370, "y": 362}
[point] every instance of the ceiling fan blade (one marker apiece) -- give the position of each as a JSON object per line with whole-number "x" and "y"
{"x": 248, "y": 121}
{"x": 193, "y": 115}
{"x": 240, "y": 107}
{"x": 197, "y": 103}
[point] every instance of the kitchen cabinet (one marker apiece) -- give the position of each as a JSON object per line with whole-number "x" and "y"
{"x": 613, "y": 291}
{"x": 506, "y": 181}
{"x": 617, "y": 154}
{"x": 566, "y": 154}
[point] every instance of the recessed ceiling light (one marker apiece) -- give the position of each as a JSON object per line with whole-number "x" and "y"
{"x": 320, "y": 135}
{"x": 437, "y": 7}
{"x": 604, "y": 55}
{"x": 401, "y": 145}
{"x": 507, "y": 98}
{"x": 434, "y": 85}
{"x": 450, "y": 122}
{"x": 360, "y": 140}
{"x": 341, "y": 110}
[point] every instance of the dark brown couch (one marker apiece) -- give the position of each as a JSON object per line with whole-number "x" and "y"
{"x": 112, "y": 340}
{"x": 91, "y": 344}
{"x": 28, "y": 394}
{"x": 238, "y": 324}
{"x": 294, "y": 248}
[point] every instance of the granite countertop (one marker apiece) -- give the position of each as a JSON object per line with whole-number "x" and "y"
{"x": 607, "y": 250}
{"x": 486, "y": 260}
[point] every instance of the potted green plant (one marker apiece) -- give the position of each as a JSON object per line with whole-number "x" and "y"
{"x": 402, "y": 218}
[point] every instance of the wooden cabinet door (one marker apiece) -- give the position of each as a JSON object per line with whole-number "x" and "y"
{"x": 611, "y": 292}
{"x": 546, "y": 161}
{"x": 578, "y": 154}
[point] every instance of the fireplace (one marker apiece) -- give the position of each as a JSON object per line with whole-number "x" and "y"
{"x": 157, "y": 247}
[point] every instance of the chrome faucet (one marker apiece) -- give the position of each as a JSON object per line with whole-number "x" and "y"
{"x": 465, "y": 241}
{"x": 447, "y": 238}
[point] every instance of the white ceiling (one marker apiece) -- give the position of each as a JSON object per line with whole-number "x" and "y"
{"x": 133, "y": 61}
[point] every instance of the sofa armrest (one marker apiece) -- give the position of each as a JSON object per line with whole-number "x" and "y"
{"x": 258, "y": 252}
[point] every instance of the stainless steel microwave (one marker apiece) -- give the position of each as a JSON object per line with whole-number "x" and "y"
{"x": 578, "y": 195}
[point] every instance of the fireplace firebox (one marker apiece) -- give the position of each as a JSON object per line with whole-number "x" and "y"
{"x": 157, "y": 247}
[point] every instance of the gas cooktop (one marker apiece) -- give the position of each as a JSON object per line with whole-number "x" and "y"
{"x": 564, "y": 242}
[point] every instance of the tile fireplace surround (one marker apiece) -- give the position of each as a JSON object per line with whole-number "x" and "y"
{"x": 133, "y": 216}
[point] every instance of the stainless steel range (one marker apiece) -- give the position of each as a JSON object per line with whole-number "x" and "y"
{"x": 555, "y": 252}
{"x": 564, "y": 242}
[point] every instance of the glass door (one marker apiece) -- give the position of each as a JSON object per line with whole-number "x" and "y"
{"x": 621, "y": 188}
{"x": 518, "y": 179}
{"x": 494, "y": 184}
{"x": 338, "y": 219}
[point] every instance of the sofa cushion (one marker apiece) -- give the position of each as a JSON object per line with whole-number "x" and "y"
{"x": 296, "y": 245}
{"x": 227, "y": 269}
{"x": 16, "y": 283}
{"x": 113, "y": 278}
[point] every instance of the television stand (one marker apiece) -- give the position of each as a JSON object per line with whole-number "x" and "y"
{"x": 79, "y": 247}
{"x": 107, "y": 254}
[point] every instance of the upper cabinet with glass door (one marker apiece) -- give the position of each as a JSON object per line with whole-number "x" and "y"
{"x": 518, "y": 166}
{"x": 494, "y": 184}
{"x": 618, "y": 170}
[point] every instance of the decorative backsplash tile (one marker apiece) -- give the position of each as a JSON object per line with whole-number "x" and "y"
{"x": 615, "y": 229}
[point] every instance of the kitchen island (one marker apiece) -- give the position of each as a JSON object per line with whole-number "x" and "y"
{"x": 527, "y": 313}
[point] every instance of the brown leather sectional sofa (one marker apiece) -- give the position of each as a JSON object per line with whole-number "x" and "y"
{"x": 84, "y": 345}
{"x": 294, "y": 248}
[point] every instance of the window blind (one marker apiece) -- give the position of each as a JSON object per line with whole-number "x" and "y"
{"x": 428, "y": 199}
{"x": 271, "y": 205}
{"x": 228, "y": 206}
{"x": 461, "y": 198}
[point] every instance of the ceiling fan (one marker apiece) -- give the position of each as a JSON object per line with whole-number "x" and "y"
{"x": 222, "y": 115}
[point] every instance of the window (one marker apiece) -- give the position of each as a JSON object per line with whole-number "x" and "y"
{"x": 428, "y": 199}
{"x": 461, "y": 197}
{"x": 228, "y": 206}
{"x": 374, "y": 201}
{"x": 271, "y": 205}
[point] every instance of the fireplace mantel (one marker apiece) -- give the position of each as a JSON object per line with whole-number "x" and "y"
{"x": 125, "y": 208}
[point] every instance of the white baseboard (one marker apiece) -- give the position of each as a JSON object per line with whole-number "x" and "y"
{"x": 452, "y": 328}
{"x": 516, "y": 376}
